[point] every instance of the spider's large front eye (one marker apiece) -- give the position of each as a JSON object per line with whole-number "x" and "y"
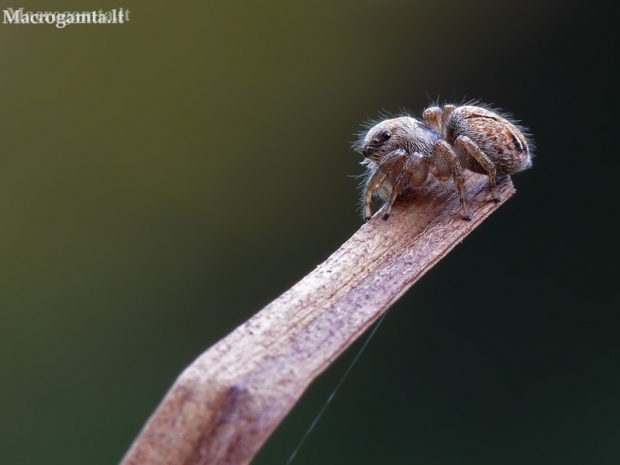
{"x": 385, "y": 135}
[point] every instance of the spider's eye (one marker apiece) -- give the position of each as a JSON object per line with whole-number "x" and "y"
{"x": 385, "y": 135}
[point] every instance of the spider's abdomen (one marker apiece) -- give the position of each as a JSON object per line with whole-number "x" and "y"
{"x": 502, "y": 141}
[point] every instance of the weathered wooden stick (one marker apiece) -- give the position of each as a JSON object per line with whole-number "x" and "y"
{"x": 224, "y": 406}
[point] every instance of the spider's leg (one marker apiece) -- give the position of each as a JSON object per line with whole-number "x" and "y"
{"x": 433, "y": 118}
{"x": 375, "y": 180}
{"x": 436, "y": 118}
{"x": 413, "y": 171}
{"x": 391, "y": 165}
{"x": 442, "y": 153}
{"x": 465, "y": 146}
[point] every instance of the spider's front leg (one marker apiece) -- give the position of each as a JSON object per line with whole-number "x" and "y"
{"x": 442, "y": 163}
{"x": 413, "y": 173}
{"x": 374, "y": 182}
{"x": 387, "y": 170}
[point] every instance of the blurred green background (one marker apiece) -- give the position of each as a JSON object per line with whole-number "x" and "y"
{"x": 163, "y": 180}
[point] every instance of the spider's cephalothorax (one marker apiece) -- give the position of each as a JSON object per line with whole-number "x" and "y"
{"x": 401, "y": 151}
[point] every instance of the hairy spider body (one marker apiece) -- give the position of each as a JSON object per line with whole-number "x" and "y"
{"x": 402, "y": 151}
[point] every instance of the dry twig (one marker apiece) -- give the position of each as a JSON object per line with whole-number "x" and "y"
{"x": 224, "y": 405}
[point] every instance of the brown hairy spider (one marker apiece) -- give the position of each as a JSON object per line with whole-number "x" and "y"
{"x": 401, "y": 151}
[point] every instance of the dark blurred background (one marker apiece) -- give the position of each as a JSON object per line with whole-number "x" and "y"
{"x": 164, "y": 179}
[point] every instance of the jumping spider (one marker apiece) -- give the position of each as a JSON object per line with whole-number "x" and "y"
{"x": 401, "y": 151}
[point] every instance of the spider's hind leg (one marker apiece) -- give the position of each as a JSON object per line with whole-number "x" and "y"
{"x": 467, "y": 147}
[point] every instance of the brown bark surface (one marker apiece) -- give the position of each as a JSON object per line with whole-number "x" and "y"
{"x": 224, "y": 406}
